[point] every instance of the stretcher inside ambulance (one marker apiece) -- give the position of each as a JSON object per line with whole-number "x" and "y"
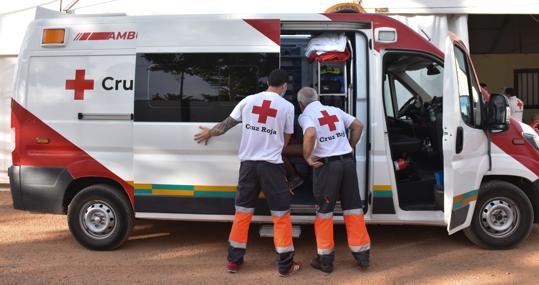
{"x": 105, "y": 109}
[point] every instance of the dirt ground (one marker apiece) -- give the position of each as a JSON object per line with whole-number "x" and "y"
{"x": 38, "y": 249}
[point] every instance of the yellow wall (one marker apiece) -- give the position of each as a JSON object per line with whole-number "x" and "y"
{"x": 497, "y": 71}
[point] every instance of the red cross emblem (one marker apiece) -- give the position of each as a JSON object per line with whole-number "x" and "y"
{"x": 264, "y": 111}
{"x": 520, "y": 105}
{"x": 329, "y": 120}
{"x": 79, "y": 84}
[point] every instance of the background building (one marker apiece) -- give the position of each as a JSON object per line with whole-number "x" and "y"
{"x": 503, "y": 36}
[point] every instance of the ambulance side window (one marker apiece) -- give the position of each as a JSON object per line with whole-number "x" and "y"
{"x": 469, "y": 98}
{"x": 195, "y": 87}
{"x": 402, "y": 94}
{"x": 388, "y": 101}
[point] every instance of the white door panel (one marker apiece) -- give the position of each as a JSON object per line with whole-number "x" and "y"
{"x": 464, "y": 168}
{"x": 167, "y": 154}
{"x": 53, "y": 101}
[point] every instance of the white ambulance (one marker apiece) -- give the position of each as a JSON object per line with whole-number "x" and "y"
{"x": 105, "y": 109}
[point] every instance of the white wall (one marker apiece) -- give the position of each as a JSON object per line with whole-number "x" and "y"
{"x": 497, "y": 71}
{"x": 7, "y": 70}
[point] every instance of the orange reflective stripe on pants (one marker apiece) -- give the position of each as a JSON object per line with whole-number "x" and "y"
{"x": 356, "y": 231}
{"x": 282, "y": 231}
{"x": 240, "y": 227}
{"x": 323, "y": 229}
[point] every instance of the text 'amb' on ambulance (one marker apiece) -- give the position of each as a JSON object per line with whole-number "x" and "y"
{"x": 105, "y": 109}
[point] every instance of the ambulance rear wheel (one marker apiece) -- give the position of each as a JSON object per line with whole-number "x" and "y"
{"x": 100, "y": 217}
{"x": 503, "y": 216}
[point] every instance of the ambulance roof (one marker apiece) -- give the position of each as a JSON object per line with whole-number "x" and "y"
{"x": 205, "y": 33}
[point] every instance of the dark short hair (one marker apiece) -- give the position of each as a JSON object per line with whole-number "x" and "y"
{"x": 483, "y": 84}
{"x": 509, "y": 91}
{"x": 277, "y": 78}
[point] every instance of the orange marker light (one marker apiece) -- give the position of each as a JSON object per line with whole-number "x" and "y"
{"x": 53, "y": 36}
{"x": 42, "y": 140}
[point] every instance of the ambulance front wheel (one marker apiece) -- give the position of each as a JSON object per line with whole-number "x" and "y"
{"x": 503, "y": 216}
{"x": 100, "y": 217}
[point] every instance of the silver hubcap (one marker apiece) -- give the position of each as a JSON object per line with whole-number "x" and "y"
{"x": 499, "y": 217}
{"x": 98, "y": 219}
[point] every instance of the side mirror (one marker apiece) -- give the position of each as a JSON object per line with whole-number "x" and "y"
{"x": 497, "y": 113}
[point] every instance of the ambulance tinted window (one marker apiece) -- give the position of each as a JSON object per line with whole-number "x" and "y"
{"x": 469, "y": 98}
{"x": 189, "y": 87}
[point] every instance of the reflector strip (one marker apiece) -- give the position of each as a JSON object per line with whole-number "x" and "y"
{"x": 327, "y": 251}
{"x": 237, "y": 244}
{"x": 465, "y": 198}
{"x": 193, "y": 190}
{"x": 85, "y": 36}
{"x": 358, "y": 211}
{"x": 100, "y": 36}
{"x": 245, "y": 210}
{"x": 284, "y": 249}
{"x": 360, "y": 248}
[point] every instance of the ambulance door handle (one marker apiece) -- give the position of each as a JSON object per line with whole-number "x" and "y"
{"x": 98, "y": 116}
{"x": 460, "y": 140}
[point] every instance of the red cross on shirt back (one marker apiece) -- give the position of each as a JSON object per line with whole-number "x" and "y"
{"x": 328, "y": 119}
{"x": 79, "y": 84}
{"x": 520, "y": 105}
{"x": 264, "y": 111}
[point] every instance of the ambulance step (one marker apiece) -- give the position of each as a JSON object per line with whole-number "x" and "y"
{"x": 267, "y": 231}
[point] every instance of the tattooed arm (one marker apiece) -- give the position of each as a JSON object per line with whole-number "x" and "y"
{"x": 205, "y": 134}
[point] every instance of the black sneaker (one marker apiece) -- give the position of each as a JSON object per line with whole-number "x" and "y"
{"x": 316, "y": 263}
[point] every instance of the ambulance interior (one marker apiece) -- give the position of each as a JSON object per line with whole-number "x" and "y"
{"x": 412, "y": 89}
{"x": 331, "y": 78}
{"x": 412, "y": 94}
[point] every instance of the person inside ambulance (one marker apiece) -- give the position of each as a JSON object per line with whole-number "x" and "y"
{"x": 516, "y": 105}
{"x": 267, "y": 123}
{"x": 328, "y": 150}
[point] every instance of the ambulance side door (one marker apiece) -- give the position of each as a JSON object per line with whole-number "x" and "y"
{"x": 189, "y": 79}
{"x": 464, "y": 142}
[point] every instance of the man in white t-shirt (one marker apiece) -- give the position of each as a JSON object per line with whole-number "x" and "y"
{"x": 329, "y": 151}
{"x": 267, "y": 124}
{"x": 516, "y": 105}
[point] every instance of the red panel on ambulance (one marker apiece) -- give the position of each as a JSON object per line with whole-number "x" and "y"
{"x": 524, "y": 154}
{"x": 407, "y": 38}
{"x": 271, "y": 28}
{"x": 59, "y": 152}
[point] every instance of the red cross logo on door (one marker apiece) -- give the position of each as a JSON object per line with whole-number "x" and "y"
{"x": 79, "y": 84}
{"x": 329, "y": 120}
{"x": 264, "y": 111}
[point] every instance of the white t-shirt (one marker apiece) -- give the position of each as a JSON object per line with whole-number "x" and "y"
{"x": 517, "y": 107}
{"x": 330, "y": 124}
{"x": 265, "y": 118}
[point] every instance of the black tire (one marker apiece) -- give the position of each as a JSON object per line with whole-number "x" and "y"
{"x": 508, "y": 200}
{"x": 111, "y": 208}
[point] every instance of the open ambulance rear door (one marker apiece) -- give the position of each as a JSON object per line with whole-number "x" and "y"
{"x": 464, "y": 141}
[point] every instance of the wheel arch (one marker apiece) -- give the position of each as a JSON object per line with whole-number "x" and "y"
{"x": 531, "y": 189}
{"x": 80, "y": 183}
